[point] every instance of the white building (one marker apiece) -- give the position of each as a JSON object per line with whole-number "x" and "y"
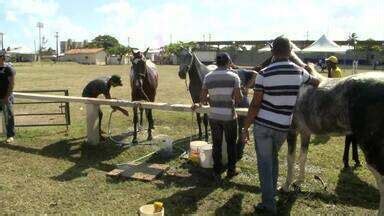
{"x": 95, "y": 56}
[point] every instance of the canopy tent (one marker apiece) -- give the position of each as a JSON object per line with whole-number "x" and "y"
{"x": 325, "y": 45}
{"x": 267, "y": 48}
{"x": 21, "y": 50}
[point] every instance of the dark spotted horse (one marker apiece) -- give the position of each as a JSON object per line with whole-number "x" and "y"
{"x": 144, "y": 81}
{"x": 349, "y": 105}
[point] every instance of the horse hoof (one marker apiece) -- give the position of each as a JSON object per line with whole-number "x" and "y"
{"x": 296, "y": 187}
{"x": 284, "y": 189}
{"x": 134, "y": 141}
{"x": 150, "y": 138}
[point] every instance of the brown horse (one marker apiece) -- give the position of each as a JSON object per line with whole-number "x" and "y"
{"x": 144, "y": 82}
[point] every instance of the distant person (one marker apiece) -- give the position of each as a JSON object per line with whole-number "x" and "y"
{"x": 333, "y": 69}
{"x": 355, "y": 64}
{"x": 271, "y": 112}
{"x": 7, "y": 83}
{"x": 102, "y": 86}
{"x": 223, "y": 87}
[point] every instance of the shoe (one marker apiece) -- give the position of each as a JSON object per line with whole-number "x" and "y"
{"x": 10, "y": 140}
{"x": 262, "y": 209}
{"x": 217, "y": 178}
{"x": 233, "y": 173}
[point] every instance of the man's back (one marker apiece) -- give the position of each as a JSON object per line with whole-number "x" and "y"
{"x": 6, "y": 72}
{"x": 96, "y": 87}
{"x": 280, "y": 83}
{"x": 220, "y": 85}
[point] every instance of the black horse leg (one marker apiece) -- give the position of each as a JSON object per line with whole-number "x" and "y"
{"x": 355, "y": 153}
{"x": 141, "y": 117}
{"x": 135, "y": 121}
{"x": 148, "y": 112}
{"x": 348, "y": 140}
{"x": 198, "y": 117}
{"x": 205, "y": 121}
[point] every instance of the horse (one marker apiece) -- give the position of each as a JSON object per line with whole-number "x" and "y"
{"x": 144, "y": 82}
{"x": 191, "y": 65}
{"x": 340, "y": 106}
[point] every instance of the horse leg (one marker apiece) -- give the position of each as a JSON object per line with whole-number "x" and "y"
{"x": 346, "y": 150}
{"x": 355, "y": 153}
{"x": 205, "y": 121}
{"x": 198, "y": 117}
{"x": 141, "y": 118}
{"x": 291, "y": 140}
{"x": 148, "y": 112}
{"x": 380, "y": 184}
{"x": 135, "y": 121}
{"x": 305, "y": 137}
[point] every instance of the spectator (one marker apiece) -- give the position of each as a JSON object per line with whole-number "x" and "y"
{"x": 223, "y": 88}
{"x": 333, "y": 69}
{"x": 271, "y": 111}
{"x": 7, "y": 83}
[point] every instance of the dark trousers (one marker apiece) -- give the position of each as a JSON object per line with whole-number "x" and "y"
{"x": 240, "y": 145}
{"x": 350, "y": 139}
{"x": 7, "y": 109}
{"x": 229, "y": 128}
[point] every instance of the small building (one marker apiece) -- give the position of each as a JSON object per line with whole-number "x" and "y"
{"x": 95, "y": 56}
{"x": 117, "y": 60}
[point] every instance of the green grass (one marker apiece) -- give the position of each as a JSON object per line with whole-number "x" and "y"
{"x": 50, "y": 171}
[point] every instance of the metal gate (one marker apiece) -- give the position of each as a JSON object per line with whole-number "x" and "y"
{"x": 63, "y": 109}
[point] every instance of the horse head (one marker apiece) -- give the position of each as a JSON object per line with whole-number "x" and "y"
{"x": 139, "y": 68}
{"x": 185, "y": 61}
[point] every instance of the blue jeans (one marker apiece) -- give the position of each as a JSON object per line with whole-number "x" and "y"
{"x": 267, "y": 144}
{"x": 7, "y": 109}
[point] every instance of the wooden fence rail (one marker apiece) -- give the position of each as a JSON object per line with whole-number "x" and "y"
{"x": 93, "y": 103}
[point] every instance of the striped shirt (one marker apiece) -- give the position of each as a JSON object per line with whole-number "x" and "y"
{"x": 280, "y": 83}
{"x": 220, "y": 85}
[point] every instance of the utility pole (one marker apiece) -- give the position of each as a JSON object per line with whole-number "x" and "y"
{"x": 170, "y": 39}
{"x": 57, "y": 46}
{"x": 40, "y": 25}
{"x": 129, "y": 42}
{"x": 209, "y": 37}
{"x": 2, "y": 40}
{"x": 307, "y": 35}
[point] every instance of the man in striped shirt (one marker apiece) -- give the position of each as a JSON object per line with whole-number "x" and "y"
{"x": 223, "y": 87}
{"x": 275, "y": 94}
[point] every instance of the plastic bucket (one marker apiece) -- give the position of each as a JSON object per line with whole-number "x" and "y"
{"x": 194, "y": 150}
{"x": 206, "y": 160}
{"x": 166, "y": 146}
{"x": 149, "y": 210}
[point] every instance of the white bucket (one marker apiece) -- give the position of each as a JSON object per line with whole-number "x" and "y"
{"x": 194, "y": 147}
{"x": 205, "y": 156}
{"x": 149, "y": 210}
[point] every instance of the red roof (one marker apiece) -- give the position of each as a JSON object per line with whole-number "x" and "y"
{"x": 84, "y": 51}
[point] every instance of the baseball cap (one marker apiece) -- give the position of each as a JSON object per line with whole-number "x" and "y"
{"x": 116, "y": 79}
{"x": 332, "y": 59}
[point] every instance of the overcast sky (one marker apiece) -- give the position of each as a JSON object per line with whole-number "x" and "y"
{"x": 152, "y": 22}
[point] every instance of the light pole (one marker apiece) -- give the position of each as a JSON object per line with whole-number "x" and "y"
{"x": 57, "y": 46}
{"x": 2, "y": 40}
{"x": 40, "y": 25}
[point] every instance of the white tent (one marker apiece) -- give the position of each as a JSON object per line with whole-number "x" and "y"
{"x": 325, "y": 45}
{"x": 267, "y": 48}
{"x": 21, "y": 50}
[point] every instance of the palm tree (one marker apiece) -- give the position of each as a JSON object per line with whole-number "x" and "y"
{"x": 352, "y": 40}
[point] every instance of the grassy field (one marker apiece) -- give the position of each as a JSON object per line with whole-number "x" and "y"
{"x": 50, "y": 171}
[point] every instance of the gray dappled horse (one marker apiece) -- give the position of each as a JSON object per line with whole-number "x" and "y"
{"x": 352, "y": 104}
{"x": 144, "y": 82}
{"x": 191, "y": 65}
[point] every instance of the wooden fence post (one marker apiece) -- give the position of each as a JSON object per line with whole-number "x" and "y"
{"x": 93, "y": 136}
{"x": 3, "y": 129}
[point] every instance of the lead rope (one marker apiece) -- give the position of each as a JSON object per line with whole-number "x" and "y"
{"x": 192, "y": 113}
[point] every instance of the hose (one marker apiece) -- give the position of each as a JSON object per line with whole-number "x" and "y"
{"x": 119, "y": 142}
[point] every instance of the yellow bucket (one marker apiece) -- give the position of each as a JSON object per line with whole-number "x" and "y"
{"x": 149, "y": 210}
